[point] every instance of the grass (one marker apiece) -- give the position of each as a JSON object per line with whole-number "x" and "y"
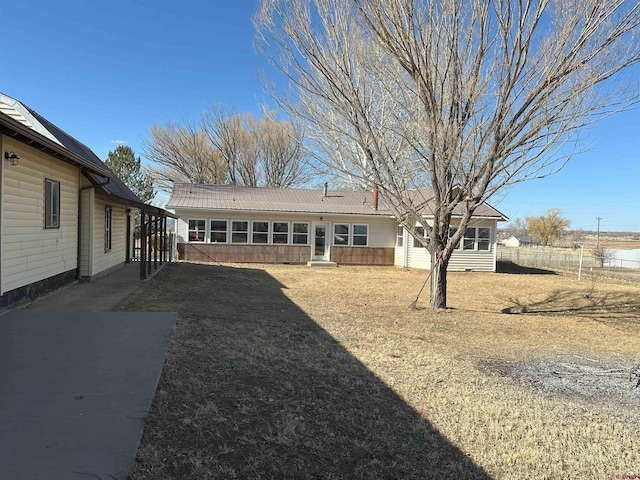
{"x": 283, "y": 372}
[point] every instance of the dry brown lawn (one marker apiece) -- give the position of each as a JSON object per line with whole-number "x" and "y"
{"x": 286, "y": 372}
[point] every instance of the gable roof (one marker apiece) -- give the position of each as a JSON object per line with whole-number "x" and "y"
{"x": 24, "y": 124}
{"x": 292, "y": 200}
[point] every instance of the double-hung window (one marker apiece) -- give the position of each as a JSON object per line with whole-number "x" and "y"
{"x": 360, "y": 235}
{"x": 400, "y": 236}
{"x": 280, "y": 233}
{"x": 341, "y": 234}
{"x": 469, "y": 239}
{"x": 239, "y": 231}
{"x": 477, "y": 238}
{"x": 260, "y": 232}
{"x": 484, "y": 238}
{"x": 196, "y": 230}
{"x": 300, "y": 234}
{"x": 218, "y": 231}
{"x": 108, "y": 221}
{"x": 417, "y": 243}
{"x": 51, "y": 203}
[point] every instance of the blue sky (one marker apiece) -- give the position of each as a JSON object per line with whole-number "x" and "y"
{"x": 106, "y": 71}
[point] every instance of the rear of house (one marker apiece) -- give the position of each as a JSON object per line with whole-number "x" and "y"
{"x": 229, "y": 223}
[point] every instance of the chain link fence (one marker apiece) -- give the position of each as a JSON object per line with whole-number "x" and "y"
{"x": 568, "y": 260}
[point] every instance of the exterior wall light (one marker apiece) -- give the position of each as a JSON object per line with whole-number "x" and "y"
{"x": 12, "y": 157}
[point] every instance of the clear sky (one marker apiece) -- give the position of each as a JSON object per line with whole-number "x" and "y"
{"x": 106, "y": 71}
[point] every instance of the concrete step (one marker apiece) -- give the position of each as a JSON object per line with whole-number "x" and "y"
{"x": 322, "y": 264}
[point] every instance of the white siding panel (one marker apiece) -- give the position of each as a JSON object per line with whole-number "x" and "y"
{"x": 102, "y": 260}
{"x": 30, "y": 252}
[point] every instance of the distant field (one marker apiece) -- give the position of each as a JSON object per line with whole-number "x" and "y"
{"x": 621, "y": 244}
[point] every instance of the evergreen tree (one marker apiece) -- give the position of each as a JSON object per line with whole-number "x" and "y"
{"x": 123, "y": 162}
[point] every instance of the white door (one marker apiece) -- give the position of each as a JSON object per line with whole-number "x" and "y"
{"x": 320, "y": 242}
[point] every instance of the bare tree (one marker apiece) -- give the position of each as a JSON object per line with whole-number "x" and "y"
{"x": 182, "y": 154}
{"x": 258, "y": 152}
{"x": 548, "y": 228}
{"x": 282, "y": 154}
{"x": 443, "y": 103}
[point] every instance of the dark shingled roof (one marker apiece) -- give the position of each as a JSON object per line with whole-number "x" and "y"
{"x": 115, "y": 187}
{"x": 291, "y": 200}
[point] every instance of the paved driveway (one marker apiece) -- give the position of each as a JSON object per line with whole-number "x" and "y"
{"x": 75, "y": 389}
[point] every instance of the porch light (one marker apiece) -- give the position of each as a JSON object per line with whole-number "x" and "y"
{"x": 12, "y": 157}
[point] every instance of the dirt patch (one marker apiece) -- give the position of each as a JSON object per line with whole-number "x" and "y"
{"x": 606, "y": 380}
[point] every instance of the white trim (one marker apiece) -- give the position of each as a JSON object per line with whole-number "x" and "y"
{"x": 353, "y": 234}
{"x": 327, "y": 244}
{"x": 209, "y": 231}
{"x": 204, "y": 240}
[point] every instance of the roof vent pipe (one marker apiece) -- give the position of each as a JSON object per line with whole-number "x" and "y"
{"x": 325, "y": 189}
{"x": 375, "y": 196}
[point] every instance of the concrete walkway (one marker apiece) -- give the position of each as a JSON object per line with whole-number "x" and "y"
{"x": 100, "y": 295}
{"x": 76, "y": 387}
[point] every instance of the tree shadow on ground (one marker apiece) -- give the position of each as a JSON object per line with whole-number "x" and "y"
{"x": 613, "y": 308}
{"x": 515, "y": 269}
{"x": 253, "y": 388}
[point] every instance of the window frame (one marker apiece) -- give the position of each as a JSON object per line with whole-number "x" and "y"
{"x": 196, "y": 230}
{"x": 355, "y": 235}
{"x": 212, "y": 231}
{"x": 400, "y": 236}
{"x": 295, "y": 234}
{"x": 254, "y": 232}
{"x": 416, "y": 242}
{"x": 347, "y": 235}
{"x": 108, "y": 228}
{"x": 280, "y": 234}
{"x": 51, "y": 203}
{"x": 240, "y": 232}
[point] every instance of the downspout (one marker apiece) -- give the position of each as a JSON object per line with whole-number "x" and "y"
{"x": 80, "y": 190}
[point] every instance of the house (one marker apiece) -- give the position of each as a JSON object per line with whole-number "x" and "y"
{"x": 63, "y": 214}
{"x": 229, "y": 223}
{"x": 515, "y": 242}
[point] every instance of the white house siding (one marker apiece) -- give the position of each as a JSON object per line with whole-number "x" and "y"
{"x": 102, "y": 261}
{"x": 30, "y": 252}
{"x": 461, "y": 260}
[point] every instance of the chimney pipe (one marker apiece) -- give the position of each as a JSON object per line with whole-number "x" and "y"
{"x": 326, "y": 189}
{"x": 375, "y": 196}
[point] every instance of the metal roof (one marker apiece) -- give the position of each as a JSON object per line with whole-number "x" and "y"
{"x": 292, "y": 200}
{"x": 266, "y": 199}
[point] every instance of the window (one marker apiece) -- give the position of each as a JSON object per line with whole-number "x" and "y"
{"x": 477, "y": 238}
{"x": 280, "y": 234}
{"x": 196, "y": 230}
{"x": 218, "y": 231}
{"x": 239, "y": 231}
{"x": 300, "y": 234}
{"x": 341, "y": 234}
{"x": 400, "y": 236}
{"x": 260, "y": 232}
{"x": 360, "y": 235}
{"x": 108, "y": 217}
{"x": 51, "y": 203}
{"x": 452, "y": 232}
{"x": 416, "y": 242}
{"x": 484, "y": 238}
{"x": 469, "y": 239}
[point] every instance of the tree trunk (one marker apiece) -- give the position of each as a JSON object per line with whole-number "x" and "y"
{"x": 438, "y": 297}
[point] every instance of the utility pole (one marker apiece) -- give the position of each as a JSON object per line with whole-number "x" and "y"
{"x": 598, "y": 240}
